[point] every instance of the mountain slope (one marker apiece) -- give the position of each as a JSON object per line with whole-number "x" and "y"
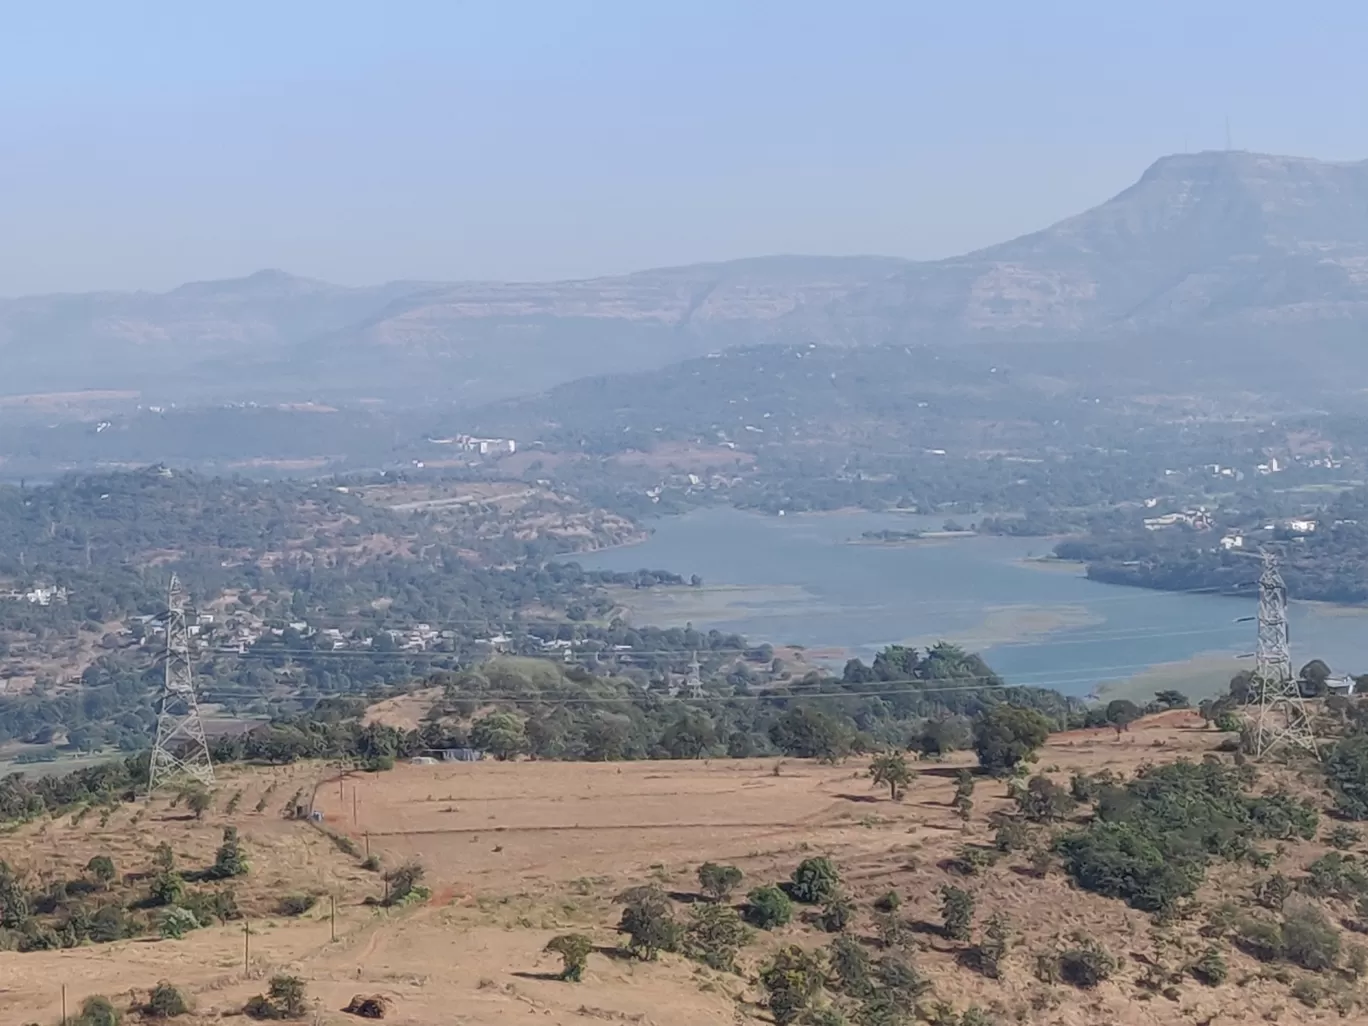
{"x": 1209, "y": 239}
{"x": 1210, "y": 245}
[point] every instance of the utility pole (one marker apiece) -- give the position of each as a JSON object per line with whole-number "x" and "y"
{"x": 246, "y": 947}
{"x": 181, "y": 750}
{"x": 1283, "y": 719}
{"x": 332, "y": 914}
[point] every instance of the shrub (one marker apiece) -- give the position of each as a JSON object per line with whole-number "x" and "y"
{"x": 718, "y": 882}
{"x": 229, "y": 860}
{"x": 1008, "y": 735}
{"x": 768, "y": 907}
{"x": 899, "y": 982}
{"x": 714, "y": 936}
{"x": 296, "y": 904}
{"x": 891, "y": 769}
{"x": 110, "y": 923}
{"x": 1356, "y": 961}
{"x": 1211, "y": 967}
{"x": 836, "y": 914}
{"x": 176, "y": 922}
{"x": 1309, "y": 939}
{"x": 101, "y": 867}
{"x": 1309, "y": 992}
{"x": 1011, "y": 836}
{"x": 849, "y": 967}
{"x": 791, "y": 980}
{"x": 403, "y": 884}
{"x": 574, "y": 949}
{"x": 1343, "y": 836}
{"x": 814, "y": 881}
{"x": 98, "y": 1010}
{"x": 165, "y": 1002}
{"x": 1044, "y": 801}
{"x": 992, "y": 946}
{"x": 285, "y": 999}
{"x": 1336, "y": 876}
{"x": 167, "y": 888}
{"x": 1274, "y": 892}
{"x": 199, "y": 801}
{"x": 971, "y": 860}
{"x": 1086, "y": 965}
{"x": 1259, "y": 938}
{"x": 889, "y": 901}
{"x": 957, "y": 912}
{"x": 371, "y": 863}
{"x": 1346, "y": 770}
{"x": 648, "y": 921}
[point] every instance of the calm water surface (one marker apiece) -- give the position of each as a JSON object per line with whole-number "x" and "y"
{"x": 808, "y": 580}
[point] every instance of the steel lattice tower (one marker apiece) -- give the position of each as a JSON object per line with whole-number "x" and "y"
{"x": 1283, "y": 718}
{"x": 181, "y": 752}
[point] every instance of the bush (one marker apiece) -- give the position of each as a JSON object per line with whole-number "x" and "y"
{"x": 1086, "y": 965}
{"x": 230, "y": 860}
{"x": 1346, "y": 770}
{"x": 1012, "y": 836}
{"x": 768, "y": 907}
{"x": 971, "y": 860}
{"x": 849, "y": 967}
{"x": 957, "y": 912}
{"x": 574, "y": 949}
{"x": 167, "y": 888}
{"x": 371, "y": 863}
{"x": 992, "y": 946}
{"x": 284, "y": 1000}
{"x": 296, "y": 904}
{"x": 1343, "y": 837}
{"x": 714, "y": 936}
{"x": 1007, "y": 735}
{"x": 403, "y": 884}
{"x": 101, "y": 867}
{"x": 1336, "y": 876}
{"x": 1044, "y": 801}
{"x": 815, "y": 881}
{"x": 889, "y": 901}
{"x": 98, "y": 1010}
{"x": 165, "y": 1002}
{"x": 1211, "y": 967}
{"x": 718, "y": 882}
{"x": 836, "y": 914}
{"x": 648, "y": 920}
{"x": 1259, "y": 938}
{"x": 176, "y": 922}
{"x": 791, "y": 980}
{"x": 1309, "y": 939}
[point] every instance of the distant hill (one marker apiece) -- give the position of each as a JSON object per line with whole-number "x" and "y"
{"x": 1218, "y": 245}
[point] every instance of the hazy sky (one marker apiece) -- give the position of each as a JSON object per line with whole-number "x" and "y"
{"x": 146, "y": 144}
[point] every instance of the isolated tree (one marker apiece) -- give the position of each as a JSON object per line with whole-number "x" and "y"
{"x": 1044, "y": 801}
{"x": 101, "y": 867}
{"x": 648, "y": 921}
{"x": 163, "y": 857}
{"x": 176, "y": 922}
{"x": 199, "y": 802}
{"x": 1008, "y": 735}
{"x": 1170, "y": 699}
{"x": 891, "y": 769}
{"x": 287, "y": 994}
{"x": 574, "y": 949}
{"x": 1121, "y": 713}
{"x": 768, "y": 907}
{"x": 165, "y": 1002}
{"x": 1313, "y": 677}
{"x": 230, "y": 860}
{"x": 718, "y": 882}
{"x": 815, "y": 881}
{"x": 98, "y": 1010}
{"x": 993, "y": 945}
{"x": 957, "y": 912}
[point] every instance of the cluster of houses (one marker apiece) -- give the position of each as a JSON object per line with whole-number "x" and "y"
{"x": 482, "y": 446}
{"x": 38, "y": 596}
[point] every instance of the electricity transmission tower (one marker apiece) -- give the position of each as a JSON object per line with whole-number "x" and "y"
{"x": 181, "y": 752}
{"x": 1282, "y": 719}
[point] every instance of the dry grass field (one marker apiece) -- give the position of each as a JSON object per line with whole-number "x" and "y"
{"x": 515, "y": 853}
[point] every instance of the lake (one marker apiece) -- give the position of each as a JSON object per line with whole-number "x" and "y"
{"x": 809, "y": 580}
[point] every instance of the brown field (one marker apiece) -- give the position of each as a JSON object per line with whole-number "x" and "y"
{"x": 518, "y": 852}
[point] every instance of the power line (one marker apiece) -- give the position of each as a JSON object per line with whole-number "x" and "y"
{"x": 181, "y": 750}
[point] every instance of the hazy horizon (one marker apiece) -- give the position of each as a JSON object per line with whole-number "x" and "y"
{"x": 535, "y": 141}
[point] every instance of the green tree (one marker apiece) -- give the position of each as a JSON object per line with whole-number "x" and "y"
{"x": 1121, "y": 713}
{"x": 806, "y": 733}
{"x": 1346, "y": 769}
{"x": 768, "y": 907}
{"x": 574, "y": 949}
{"x": 1044, "y": 801}
{"x": 176, "y": 922}
{"x": 957, "y": 912}
{"x": 648, "y": 921}
{"x": 501, "y": 734}
{"x": 815, "y": 880}
{"x": 890, "y": 769}
{"x": 1173, "y": 699}
{"x": 993, "y": 945}
{"x": 287, "y": 994}
{"x": 230, "y": 860}
{"x": 717, "y": 881}
{"x": 98, "y": 1010}
{"x": 849, "y": 967}
{"x": 689, "y": 737}
{"x": 1008, "y": 735}
{"x": 165, "y": 1002}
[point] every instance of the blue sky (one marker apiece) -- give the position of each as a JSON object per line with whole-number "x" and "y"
{"x": 146, "y": 144}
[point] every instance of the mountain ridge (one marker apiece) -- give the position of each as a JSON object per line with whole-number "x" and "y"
{"x": 1208, "y": 244}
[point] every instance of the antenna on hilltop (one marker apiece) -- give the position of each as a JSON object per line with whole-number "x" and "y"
{"x": 181, "y": 751}
{"x": 1283, "y": 719}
